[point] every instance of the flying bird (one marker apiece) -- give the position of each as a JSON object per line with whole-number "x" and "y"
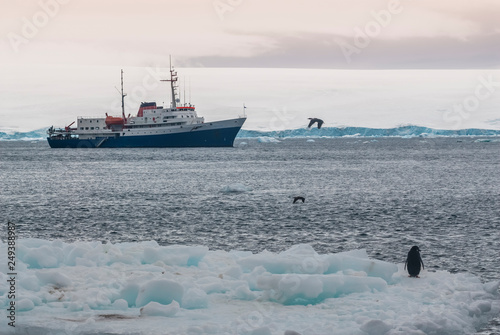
{"x": 295, "y": 199}
{"x": 313, "y": 121}
{"x": 413, "y": 262}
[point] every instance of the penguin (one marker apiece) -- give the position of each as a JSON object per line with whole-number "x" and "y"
{"x": 295, "y": 199}
{"x": 413, "y": 262}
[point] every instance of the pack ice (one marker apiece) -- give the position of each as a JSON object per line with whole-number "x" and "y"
{"x": 144, "y": 288}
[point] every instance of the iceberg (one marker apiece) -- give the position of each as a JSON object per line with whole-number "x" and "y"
{"x": 402, "y": 131}
{"x": 35, "y": 135}
{"x": 145, "y": 288}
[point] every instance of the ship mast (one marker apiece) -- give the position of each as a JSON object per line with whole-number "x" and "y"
{"x": 123, "y": 98}
{"x": 172, "y": 80}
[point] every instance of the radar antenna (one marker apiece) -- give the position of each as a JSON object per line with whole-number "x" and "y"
{"x": 173, "y": 87}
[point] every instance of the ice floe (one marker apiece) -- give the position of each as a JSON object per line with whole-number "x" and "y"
{"x": 145, "y": 288}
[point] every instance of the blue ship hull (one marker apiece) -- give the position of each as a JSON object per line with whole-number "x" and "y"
{"x": 222, "y": 137}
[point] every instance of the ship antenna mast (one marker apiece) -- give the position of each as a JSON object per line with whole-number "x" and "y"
{"x": 172, "y": 80}
{"x": 123, "y": 99}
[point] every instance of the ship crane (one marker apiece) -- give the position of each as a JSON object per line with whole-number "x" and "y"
{"x": 67, "y": 128}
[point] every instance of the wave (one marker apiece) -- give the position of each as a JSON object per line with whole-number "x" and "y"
{"x": 235, "y": 188}
{"x": 403, "y": 131}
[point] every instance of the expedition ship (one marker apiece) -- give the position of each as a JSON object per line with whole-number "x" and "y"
{"x": 153, "y": 126}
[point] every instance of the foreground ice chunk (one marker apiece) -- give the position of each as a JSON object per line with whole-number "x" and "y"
{"x": 375, "y": 327}
{"x": 156, "y": 309}
{"x": 25, "y": 305}
{"x": 162, "y": 291}
{"x": 174, "y": 255}
{"x": 303, "y": 259}
{"x": 372, "y": 267}
{"x": 195, "y": 298}
{"x": 44, "y": 256}
{"x": 300, "y": 289}
{"x": 120, "y": 304}
{"x": 54, "y": 278}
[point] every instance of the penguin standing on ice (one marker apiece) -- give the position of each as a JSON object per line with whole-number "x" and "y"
{"x": 413, "y": 262}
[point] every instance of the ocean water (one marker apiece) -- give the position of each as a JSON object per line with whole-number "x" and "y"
{"x": 382, "y": 195}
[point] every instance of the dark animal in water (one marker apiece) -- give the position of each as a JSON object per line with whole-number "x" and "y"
{"x": 313, "y": 121}
{"x": 413, "y": 262}
{"x": 295, "y": 199}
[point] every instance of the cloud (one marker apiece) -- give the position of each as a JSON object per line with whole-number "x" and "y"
{"x": 323, "y": 51}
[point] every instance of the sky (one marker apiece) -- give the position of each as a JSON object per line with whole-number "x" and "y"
{"x": 337, "y": 34}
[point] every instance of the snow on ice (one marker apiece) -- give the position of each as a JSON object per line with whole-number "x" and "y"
{"x": 144, "y": 288}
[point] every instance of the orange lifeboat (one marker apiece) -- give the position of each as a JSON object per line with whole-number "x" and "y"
{"x": 111, "y": 121}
